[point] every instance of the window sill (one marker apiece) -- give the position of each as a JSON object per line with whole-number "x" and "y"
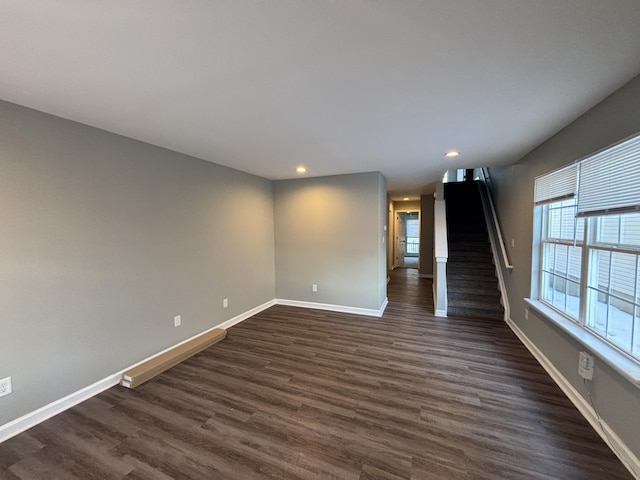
{"x": 622, "y": 364}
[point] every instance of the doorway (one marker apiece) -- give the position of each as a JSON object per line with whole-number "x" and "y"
{"x": 407, "y": 239}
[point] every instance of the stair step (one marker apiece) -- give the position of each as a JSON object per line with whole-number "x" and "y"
{"x": 480, "y": 314}
{"x": 487, "y": 304}
{"x": 471, "y": 268}
{"x": 456, "y": 283}
{"x": 462, "y": 216}
{"x": 469, "y": 247}
{"x": 463, "y": 210}
{"x": 483, "y": 253}
{"x": 467, "y": 228}
{"x": 472, "y": 298}
{"x": 456, "y": 237}
{"x": 484, "y": 258}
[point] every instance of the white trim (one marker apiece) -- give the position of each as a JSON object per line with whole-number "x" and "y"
{"x": 243, "y": 316}
{"x": 32, "y": 419}
{"x": 609, "y": 436}
{"x": 440, "y": 313}
{"x": 335, "y": 308}
{"x": 226, "y": 324}
{"x": 493, "y": 228}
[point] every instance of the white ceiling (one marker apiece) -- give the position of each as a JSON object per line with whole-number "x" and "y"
{"x": 341, "y": 86}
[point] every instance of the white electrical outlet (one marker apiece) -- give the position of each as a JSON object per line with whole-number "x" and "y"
{"x": 177, "y": 320}
{"x": 225, "y": 303}
{"x": 585, "y": 366}
{"x": 526, "y": 314}
{"x": 314, "y": 288}
{"x": 5, "y": 386}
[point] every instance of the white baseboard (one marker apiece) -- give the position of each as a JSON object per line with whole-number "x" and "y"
{"x": 243, "y": 316}
{"x": 440, "y": 313}
{"x": 614, "y": 442}
{"x": 335, "y": 308}
{"x": 32, "y": 419}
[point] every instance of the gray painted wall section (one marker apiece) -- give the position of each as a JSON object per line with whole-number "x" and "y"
{"x": 104, "y": 239}
{"x": 427, "y": 255}
{"x": 329, "y": 232}
{"x": 617, "y": 401}
{"x": 383, "y": 229}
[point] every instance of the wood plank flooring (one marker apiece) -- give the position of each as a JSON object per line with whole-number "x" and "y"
{"x": 305, "y": 394}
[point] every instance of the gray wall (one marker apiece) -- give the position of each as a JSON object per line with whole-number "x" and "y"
{"x": 105, "y": 239}
{"x": 426, "y": 234}
{"x": 330, "y": 232}
{"x": 617, "y": 401}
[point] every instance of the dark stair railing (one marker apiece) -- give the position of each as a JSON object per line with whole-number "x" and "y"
{"x": 472, "y": 282}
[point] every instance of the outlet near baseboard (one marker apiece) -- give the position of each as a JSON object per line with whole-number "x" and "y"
{"x": 5, "y": 386}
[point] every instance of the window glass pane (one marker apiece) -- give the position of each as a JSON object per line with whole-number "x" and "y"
{"x": 547, "y": 287}
{"x": 630, "y": 229}
{"x": 623, "y": 275}
{"x": 580, "y": 229}
{"x": 620, "y": 322}
{"x": 567, "y": 224}
{"x": 553, "y": 223}
{"x": 559, "y": 290}
{"x": 573, "y": 299}
{"x": 597, "y": 311}
{"x": 548, "y": 256}
{"x": 562, "y": 260}
{"x": 609, "y": 229}
{"x": 575, "y": 263}
{"x": 612, "y": 299}
{"x": 599, "y": 270}
{"x": 562, "y": 223}
{"x": 560, "y": 282}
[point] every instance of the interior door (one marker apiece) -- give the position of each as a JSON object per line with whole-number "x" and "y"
{"x": 401, "y": 239}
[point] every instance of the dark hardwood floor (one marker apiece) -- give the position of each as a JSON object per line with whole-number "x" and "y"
{"x": 306, "y": 394}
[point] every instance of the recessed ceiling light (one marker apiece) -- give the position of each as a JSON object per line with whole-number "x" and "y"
{"x": 405, "y": 198}
{"x": 451, "y": 154}
{"x": 301, "y": 169}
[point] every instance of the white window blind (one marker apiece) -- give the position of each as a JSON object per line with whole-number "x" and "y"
{"x": 610, "y": 180}
{"x": 556, "y": 185}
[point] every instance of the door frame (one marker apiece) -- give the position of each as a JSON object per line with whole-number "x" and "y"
{"x": 394, "y": 235}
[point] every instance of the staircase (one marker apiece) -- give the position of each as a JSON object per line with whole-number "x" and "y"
{"x": 472, "y": 285}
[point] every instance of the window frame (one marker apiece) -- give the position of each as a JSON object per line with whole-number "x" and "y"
{"x": 588, "y": 244}
{"x": 547, "y": 239}
{"x": 602, "y": 186}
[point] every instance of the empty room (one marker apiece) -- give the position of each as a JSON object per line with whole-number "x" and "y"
{"x": 388, "y": 239}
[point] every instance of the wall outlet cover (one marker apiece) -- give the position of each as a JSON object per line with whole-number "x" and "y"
{"x": 585, "y": 366}
{"x": 5, "y": 386}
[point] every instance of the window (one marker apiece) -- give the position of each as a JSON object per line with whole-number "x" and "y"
{"x": 613, "y": 296}
{"x": 590, "y": 244}
{"x": 562, "y": 257}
